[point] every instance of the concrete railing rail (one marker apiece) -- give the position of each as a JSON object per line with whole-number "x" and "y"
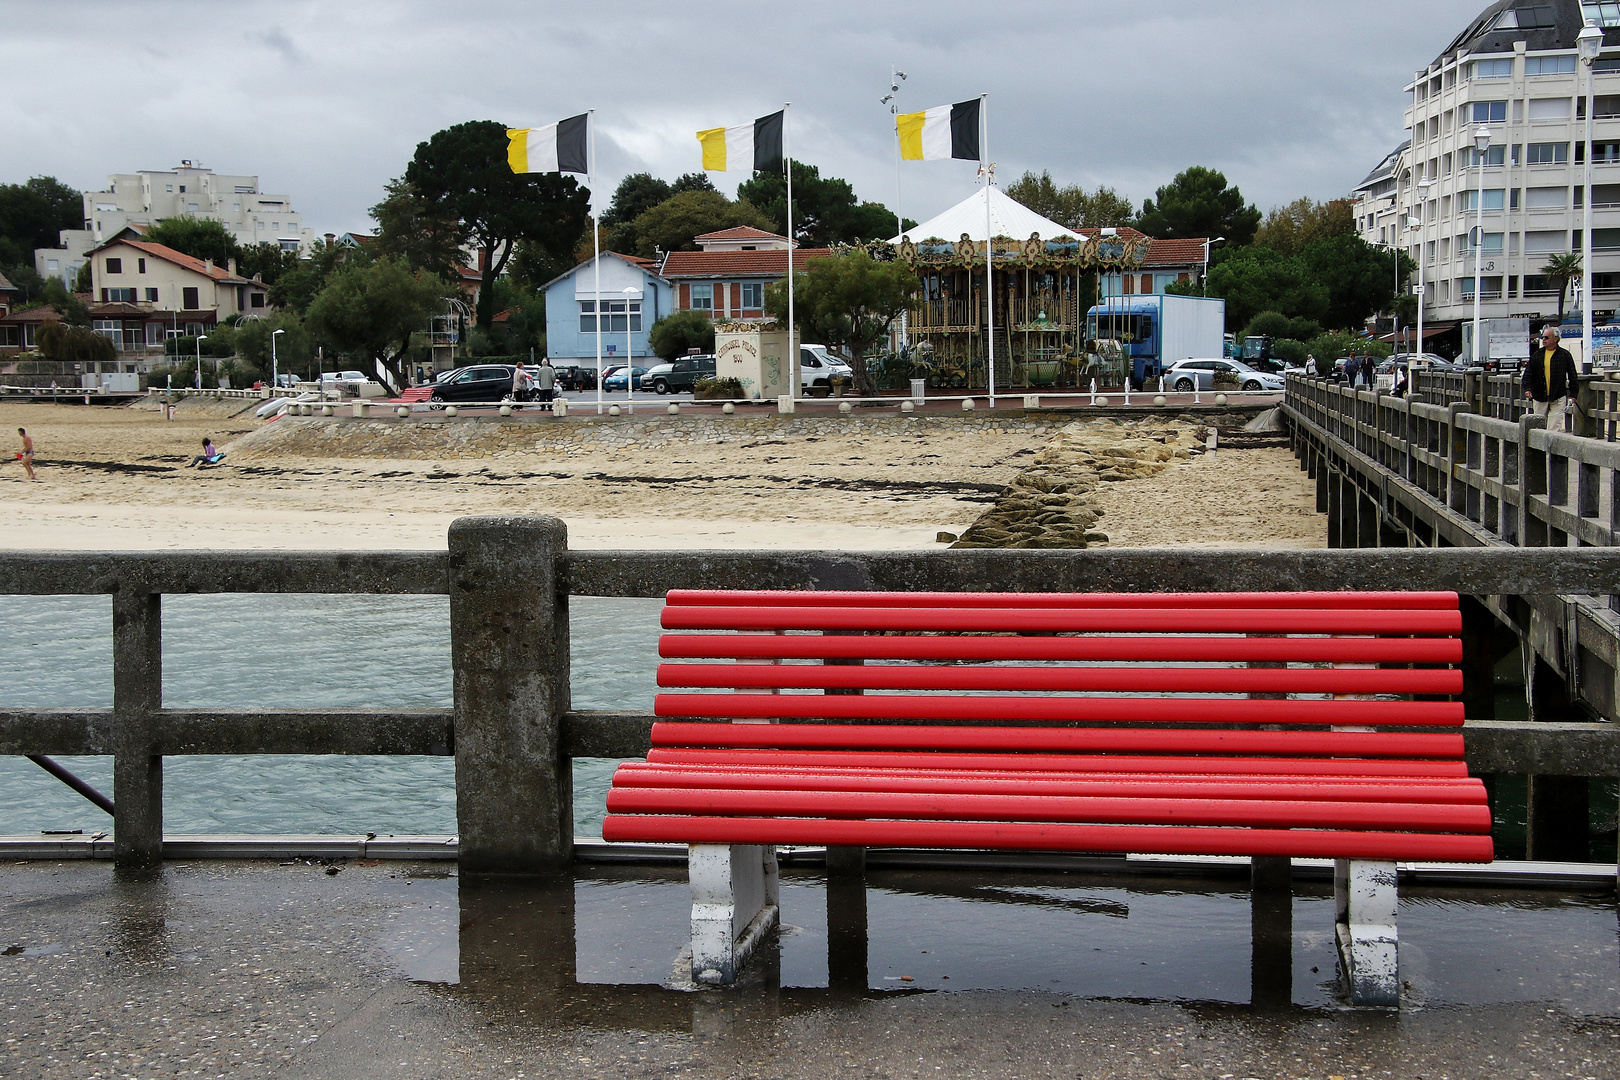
{"x": 511, "y": 727}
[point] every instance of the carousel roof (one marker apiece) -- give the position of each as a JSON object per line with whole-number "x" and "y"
{"x": 1008, "y": 217}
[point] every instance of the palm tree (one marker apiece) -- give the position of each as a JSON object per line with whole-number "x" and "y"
{"x": 1561, "y": 270}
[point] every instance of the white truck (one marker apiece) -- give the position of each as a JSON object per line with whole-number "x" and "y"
{"x": 1159, "y": 330}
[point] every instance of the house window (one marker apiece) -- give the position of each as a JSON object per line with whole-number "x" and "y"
{"x": 1547, "y": 65}
{"x": 52, "y": 265}
{"x": 188, "y": 299}
{"x": 1494, "y": 155}
{"x": 256, "y": 300}
{"x": 154, "y": 334}
{"x": 191, "y": 207}
{"x": 140, "y": 265}
{"x": 703, "y": 298}
{"x": 1543, "y": 110}
{"x": 1492, "y": 243}
{"x": 115, "y": 266}
{"x": 1147, "y": 284}
{"x": 1547, "y": 153}
{"x": 753, "y": 296}
{"x": 1469, "y": 201}
{"x": 151, "y": 296}
{"x": 1603, "y": 13}
{"x": 1493, "y": 112}
{"x": 169, "y": 188}
{"x": 1494, "y": 69}
{"x": 616, "y": 316}
{"x": 289, "y": 245}
{"x": 119, "y": 296}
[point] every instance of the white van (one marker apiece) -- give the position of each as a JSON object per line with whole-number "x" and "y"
{"x": 817, "y": 368}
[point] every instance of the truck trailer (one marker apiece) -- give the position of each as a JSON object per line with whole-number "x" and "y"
{"x": 1156, "y": 331}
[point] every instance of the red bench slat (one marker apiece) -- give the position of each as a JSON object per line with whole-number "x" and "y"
{"x": 919, "y": 737}
{"x": 1102, "y": 810}
{"x": 1229, "y": 649}
{"x": 1031, "y": 709}
{"x": 1050, "y": 677}
{"x": 1443, "y": 601}
{"x": 1450, "y": 766}
{"x": 1144, "y": 785}
{"x": 1089, "y": 620}
{"x": 1160, "y": 839}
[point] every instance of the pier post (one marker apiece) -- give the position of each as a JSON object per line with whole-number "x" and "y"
{"x": 137, "y": 697}
{"x": 1479, "y": 636}
{"x": 509, "y": 657}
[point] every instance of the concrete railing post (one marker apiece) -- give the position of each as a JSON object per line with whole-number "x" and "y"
{"x": 137, "y": 697}
{"x": 509, "y": 653}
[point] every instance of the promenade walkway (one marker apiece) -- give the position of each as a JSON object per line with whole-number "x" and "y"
{"x": 401, "y": 970}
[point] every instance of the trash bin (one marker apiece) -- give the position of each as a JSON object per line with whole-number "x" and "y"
{"x": 918, "y": 388}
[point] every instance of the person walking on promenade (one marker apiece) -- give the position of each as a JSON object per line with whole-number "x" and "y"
{"x": 521, "y": 382}
{"x": 1549, "y": 379}
{"x": 545, "y": 380}
{"x": 27, "y": 454}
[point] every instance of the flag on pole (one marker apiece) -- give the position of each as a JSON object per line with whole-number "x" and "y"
{"x": 947, "y": 131}
{"x": 756, "y": 146}
{"x": 558, "y": 147}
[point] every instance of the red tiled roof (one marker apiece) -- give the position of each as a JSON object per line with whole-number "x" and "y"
{"x": 42, "y": 314}
{"x": 728, "y": 264}
{"x": 741, "y": 232}
{"x": 1162, "y": 252}
{"x": 168, "y": 254}
{"x": 469, "y": 274}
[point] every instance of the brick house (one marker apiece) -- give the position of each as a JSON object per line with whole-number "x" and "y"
{"x": 726, "y": 279}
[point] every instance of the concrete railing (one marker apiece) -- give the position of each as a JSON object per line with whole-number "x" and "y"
{"x": 511, "y": 727}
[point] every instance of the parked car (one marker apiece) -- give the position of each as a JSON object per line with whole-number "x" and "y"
{"x": 571, "y": 377}
{"x": 482, "y": 382}
{"x": 616, "y": 379}
{"x": 1186, "y": 375}
{"x": 679, "y": 375}
{"x": 818, "y": 367}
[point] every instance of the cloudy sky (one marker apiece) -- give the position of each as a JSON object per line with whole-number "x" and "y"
{"x": 325, "y": 101}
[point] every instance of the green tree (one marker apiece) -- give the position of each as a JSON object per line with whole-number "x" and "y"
{"x": 85, "y": 280}
{"x": 268, "y": 262}
{"x": 679, "y": 333}
{"x": 1256, "y": 279}
{"x": 201, "y": 238}
{"x": 1560, "y": 271}
{"x": 293, "y": 349}
{"x": 60, "y": 341}
{"x": 673, "y": 223}
{"x": 424, "y": 234}
{"x": 32, "y": 214}
{"x": 296, "y": 288}
{"x": 1072, "y": 206}
{"x": 70, "y": 307}
{"x": 635, "y": 195}
{"x": 463, "y": 173}
{"x": 849, "y": 301}
{"x": 1288, "y": 229}
{"x": 692, "y": 181}
{"x": 825, "y": 210}
{"x": 1359, "y": 278}
{"x": 372, "y": 310}
{"x": 1198, "y": 203}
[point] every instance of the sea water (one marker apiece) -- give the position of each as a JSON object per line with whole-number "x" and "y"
{"x": 297, "y": 652}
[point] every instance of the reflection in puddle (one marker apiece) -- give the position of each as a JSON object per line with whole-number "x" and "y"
{"x": 601, "y": 947}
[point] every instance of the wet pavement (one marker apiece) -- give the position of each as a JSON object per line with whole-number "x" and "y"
{"x": 405, "y": 970}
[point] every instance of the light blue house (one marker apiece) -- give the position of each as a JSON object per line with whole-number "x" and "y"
{"x": 632, "y": 298}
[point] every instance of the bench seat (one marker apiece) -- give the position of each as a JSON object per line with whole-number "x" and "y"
{"x": 1262, "y": 725}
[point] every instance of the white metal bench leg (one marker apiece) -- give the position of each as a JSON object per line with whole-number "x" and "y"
{"x": 735, "y": 903}
{"x": 1364, "y": 900}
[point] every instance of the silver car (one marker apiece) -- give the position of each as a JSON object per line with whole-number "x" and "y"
{"x": 1185, "y": 376}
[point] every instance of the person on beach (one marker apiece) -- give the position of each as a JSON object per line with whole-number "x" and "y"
{"x": 1549, "y": 379}
{"x": 27, "y": 455}
{"x": 209, "y": 455}
{"x": 545, "y": 380}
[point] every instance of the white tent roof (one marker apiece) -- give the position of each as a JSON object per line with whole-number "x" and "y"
{"x": 1008, "y": 217}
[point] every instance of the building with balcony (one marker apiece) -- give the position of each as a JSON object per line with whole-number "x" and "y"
{"x": 1512, "y": 71}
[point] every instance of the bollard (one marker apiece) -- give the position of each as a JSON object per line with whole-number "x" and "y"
{"x": 326, "y": 410}
{"x": 1101, "y": 400}
{"x": 509, "y": 656}
{"x": 614, "y": 410}
{"x": 1127, "y": 389}
{"x": 402, "y": 412}
{"x": 559, "y": 407}
{"x": 967, "y": 404}
{"x": 361, "y": 409}
{"x": 1220, "y": 399}
{"x": 506, "y": 410}
{"x": 784, "y": 404}
{"x": 674, "y": 409}
{"x": 907, "y": 406}
{"x": 1032, "y": 401}
{"x": 1094, "y": 392}
{"x": 450, "y": 412}
{"x": 845, "y": 407}
{"x": 728, "y": 408}
{"x": 137, "y": 698}
{"x": 1158, "y": 399}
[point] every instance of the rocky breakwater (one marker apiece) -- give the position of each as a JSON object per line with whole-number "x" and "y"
{"x": 1049, "y": 504}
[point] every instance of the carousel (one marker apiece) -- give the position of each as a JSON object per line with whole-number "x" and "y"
{"x": 1045, "y": 283}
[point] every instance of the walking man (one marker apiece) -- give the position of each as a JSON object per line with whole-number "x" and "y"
{"x": 1549, "y": 380}
{"x": 27, "y": 454}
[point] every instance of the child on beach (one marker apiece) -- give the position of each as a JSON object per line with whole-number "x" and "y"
{"x": 27, "y": 455}
{"x": 209, "y": 455}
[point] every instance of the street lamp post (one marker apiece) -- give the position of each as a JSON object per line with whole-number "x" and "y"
{"x": 629, "y": 352}
{"x": 275, "y": 380}
{"x": 1203, "y": 282}
{"x": 1482, "y": 143}
{"x": 1588, "y": 43}
{"x": 200, "y": 339}
{"x": 1417, "y": 225}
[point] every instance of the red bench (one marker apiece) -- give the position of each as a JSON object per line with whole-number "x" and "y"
{"x": 1316, "y": 725}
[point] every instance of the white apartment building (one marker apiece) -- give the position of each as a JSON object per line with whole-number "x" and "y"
{"x": 144, "y": 198}
{"x": 1514, "y": 72}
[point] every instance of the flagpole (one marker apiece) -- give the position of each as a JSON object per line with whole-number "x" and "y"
{"x": 989, "y": 261}
{"x": 793, "y": 342}
{"x": 596, "y": 251}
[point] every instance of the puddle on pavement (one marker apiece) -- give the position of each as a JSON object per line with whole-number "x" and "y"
{"x": 601, "y": 948}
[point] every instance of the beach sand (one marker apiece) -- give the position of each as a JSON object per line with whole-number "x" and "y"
{"x": 114, "y": 478}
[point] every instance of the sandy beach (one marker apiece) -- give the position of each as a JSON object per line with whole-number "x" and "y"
{"x": 117, "y": 478}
